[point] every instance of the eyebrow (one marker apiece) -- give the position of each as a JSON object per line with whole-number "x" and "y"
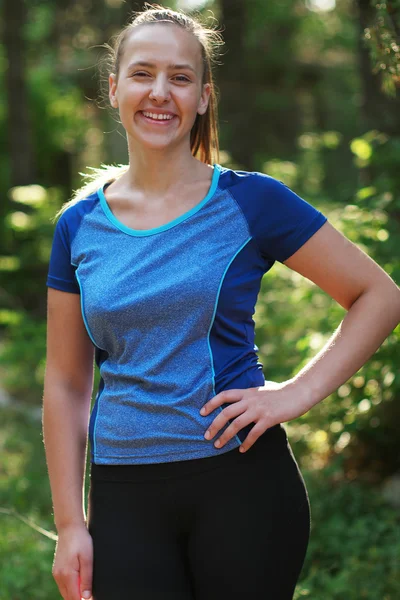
{"x": 143, "y": 63}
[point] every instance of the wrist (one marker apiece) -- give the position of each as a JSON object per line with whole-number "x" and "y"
{"x": 69, "y": 525}
{"x": 302, "y": 392}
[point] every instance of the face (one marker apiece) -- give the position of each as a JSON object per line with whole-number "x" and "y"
{"x": 160, "y": 76}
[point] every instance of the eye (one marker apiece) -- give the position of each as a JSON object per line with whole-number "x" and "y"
{"x": 180, "y": 78}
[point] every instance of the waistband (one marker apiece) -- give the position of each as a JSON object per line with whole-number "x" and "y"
{"x": 272, "y": 441}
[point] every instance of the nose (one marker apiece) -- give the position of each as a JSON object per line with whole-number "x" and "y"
{"x": 160, "y": 89}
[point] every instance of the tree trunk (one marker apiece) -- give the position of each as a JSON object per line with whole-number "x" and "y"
{"x": 254, "y": 80}
{"x": 22, "y": 169}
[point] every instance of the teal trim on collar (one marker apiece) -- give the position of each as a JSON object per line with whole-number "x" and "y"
{"x": 142, "y": 232}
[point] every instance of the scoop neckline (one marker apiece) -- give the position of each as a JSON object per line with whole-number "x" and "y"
{"x": 143, "y": 232}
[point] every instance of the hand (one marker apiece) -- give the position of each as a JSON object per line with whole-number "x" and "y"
{"x": 265, "y": 405}
{"x": 73, "y": 563}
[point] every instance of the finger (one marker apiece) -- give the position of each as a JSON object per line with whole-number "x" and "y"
{"x": 258, "y": 429}
{"x": 61, "y": 584}
{"x": 63, "y": 591}
{"x": 72, "y": 585}
{"x": 221, "y": 398}
{"x": 233, "y": 428}
{"x": 222, "y": 419}
{"x": 85, "y": 576}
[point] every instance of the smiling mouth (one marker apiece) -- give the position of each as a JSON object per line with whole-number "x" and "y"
{"x": 161, "y": 122}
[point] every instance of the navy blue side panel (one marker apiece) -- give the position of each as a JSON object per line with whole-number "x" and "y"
{"x": 232, "y": 336}
{"x": 61, "y": 273}
{"x": 280, "y": 221}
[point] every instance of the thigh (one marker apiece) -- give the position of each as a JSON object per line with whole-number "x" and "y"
{"x": 252, "y": 529}
{"x": 137, "y": 553}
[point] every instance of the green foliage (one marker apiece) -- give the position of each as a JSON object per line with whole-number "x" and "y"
{"x": 354, "y": 543}
{"x": 59, "y": 115}
{"x": 30, "y": 231}
{"x": 25, "y": 266}
{"x": 22, "y": 355}
{"x": 383, "y": 42}
{"x": 26, "y": 554}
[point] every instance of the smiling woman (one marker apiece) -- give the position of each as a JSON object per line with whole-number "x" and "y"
{"x": 154, "y": 273}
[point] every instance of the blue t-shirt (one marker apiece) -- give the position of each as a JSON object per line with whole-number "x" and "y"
{"x": 169, "y": 309}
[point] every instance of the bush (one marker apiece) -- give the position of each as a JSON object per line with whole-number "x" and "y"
{"x": 354, "y": 545}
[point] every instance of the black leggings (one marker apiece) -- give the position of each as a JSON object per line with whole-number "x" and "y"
{"x": 225, "y": 527}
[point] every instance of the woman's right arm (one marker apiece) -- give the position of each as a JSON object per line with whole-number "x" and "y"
{"x": 68, "y": 385}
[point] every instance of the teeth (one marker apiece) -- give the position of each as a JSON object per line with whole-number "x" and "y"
{"x": 158, "y": 117}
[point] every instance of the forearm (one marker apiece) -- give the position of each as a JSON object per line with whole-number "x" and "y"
{"x": 368, "y": 322}
{"x": 65, "y": 420}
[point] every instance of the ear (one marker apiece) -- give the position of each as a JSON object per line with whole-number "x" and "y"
{"x": 204, "y": 99}
{"x": 113, "y": 90}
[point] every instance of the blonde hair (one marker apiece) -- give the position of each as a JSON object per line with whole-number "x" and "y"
{"x": 204, "y": 143}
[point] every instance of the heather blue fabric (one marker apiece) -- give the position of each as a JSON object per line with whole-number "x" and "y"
{"x": 169, "y": 309}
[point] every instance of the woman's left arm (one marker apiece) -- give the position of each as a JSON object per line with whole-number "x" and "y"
{"x": 372, "y": 300}
{"x": 365, "y": 290}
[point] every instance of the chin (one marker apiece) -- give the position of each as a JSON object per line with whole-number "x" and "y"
{"x": 162, "y": 143}
{"x": 154, "y": 146}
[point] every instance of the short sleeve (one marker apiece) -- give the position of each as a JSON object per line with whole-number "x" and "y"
{"x": 61, "y": 273}
{"x": 286, "y": 221}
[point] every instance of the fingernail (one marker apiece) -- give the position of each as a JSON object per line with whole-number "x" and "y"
{"x": 203, "y": 411}
{"x": 207, "y": 435}
{"x": 86, "y": 594}
{"x": 217, "y": 444}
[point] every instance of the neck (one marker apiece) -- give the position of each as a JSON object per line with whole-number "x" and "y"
{"x": 156, "y": 172}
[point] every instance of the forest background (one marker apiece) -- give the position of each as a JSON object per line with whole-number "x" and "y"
{"x": 309, "y": 93}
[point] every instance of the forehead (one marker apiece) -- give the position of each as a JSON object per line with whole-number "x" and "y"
{"x": 162, "y": 43}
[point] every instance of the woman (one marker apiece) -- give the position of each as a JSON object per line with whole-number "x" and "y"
{"x": 195, "y": 493}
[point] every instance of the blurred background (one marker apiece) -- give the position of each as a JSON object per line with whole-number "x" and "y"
{"x": 309, "y": 93}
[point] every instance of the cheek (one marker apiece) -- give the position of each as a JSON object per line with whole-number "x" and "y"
{"x": 190, "y": 102}
{"x": 133, "y": 91}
